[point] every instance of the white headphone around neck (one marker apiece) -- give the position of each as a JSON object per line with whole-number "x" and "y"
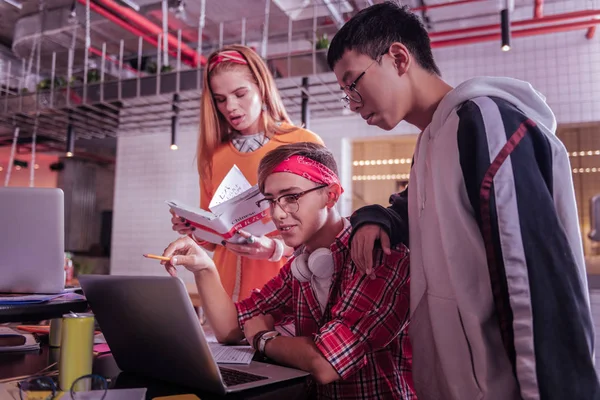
{"x": 316, "y": 268}
{"x": 319, "y": 264}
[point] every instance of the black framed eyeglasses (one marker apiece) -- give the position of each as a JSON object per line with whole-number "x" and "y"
{"x": 350, "y": 90}
{"x": 89, "y": 387}
{"x": 287, "y": 202}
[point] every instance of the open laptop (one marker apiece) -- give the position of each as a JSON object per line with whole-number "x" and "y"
{"x": 151, "y": 326}
{"x": 32, "y": 248}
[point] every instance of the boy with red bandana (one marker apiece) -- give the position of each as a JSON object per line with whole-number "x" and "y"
{"x": 350, "y": 328}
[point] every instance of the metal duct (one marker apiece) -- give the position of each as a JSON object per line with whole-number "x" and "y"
{"x": 16, "y": 71}
{"x": 58, "y": 37}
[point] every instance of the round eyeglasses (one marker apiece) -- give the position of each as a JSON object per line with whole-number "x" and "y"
{"x": 287, "y": 202}
{"x": 87, "y": 387}
{"x": 350, "y": 90}
{"x": 351, "y": 94}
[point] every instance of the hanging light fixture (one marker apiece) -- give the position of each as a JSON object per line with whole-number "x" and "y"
{"x": 505, "y": 27}
{"x": 509, "y": 7}
{"x": 73, "y": 13}
{"x": 70, "y": 140}
{"x": 175, "y": 122}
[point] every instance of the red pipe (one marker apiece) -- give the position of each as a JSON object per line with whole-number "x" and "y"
{"x": 455, "y": 3}
{"x": 99, "y": 10}
{"x": 127, "y": 26}
{"x": 551, "y": 18}
{"x": 97, "y": 52}
{"x": 188, "y": 55}
{"x": 590, "y": 32}
{"x": 538, "y": 10}
{"x": 540, "y": 30}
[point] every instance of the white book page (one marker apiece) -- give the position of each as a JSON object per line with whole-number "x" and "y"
{"x": 232, "y": 185}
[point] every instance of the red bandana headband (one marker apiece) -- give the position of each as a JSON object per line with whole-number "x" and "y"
{"x": 227, "y": 56}
{"x": 309, "y": 169}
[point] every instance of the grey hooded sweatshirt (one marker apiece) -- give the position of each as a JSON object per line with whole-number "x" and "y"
{"x": 499, "y": 300}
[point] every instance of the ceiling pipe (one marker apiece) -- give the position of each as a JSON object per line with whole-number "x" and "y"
{"x": 538, "y": 9}
{"x": 540, "y": 30}
{"x": 123, "y": 24}
{"x": 188, "y": 55}
{"x": 550, "y": 18}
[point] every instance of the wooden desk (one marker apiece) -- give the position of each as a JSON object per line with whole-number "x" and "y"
{"x": 30, "y": 363}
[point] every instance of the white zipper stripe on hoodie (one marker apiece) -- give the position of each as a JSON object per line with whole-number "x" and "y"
{"x": 513, "y": 253}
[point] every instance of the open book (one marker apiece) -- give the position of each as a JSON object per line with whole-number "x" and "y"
{"x": 232, "y": 207}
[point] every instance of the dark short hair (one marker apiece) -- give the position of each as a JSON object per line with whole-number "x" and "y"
{"x": 314, "y": 151}
{"x": 373, "y": 30}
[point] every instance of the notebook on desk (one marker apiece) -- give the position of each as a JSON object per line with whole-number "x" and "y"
{"x": 151, "y": 326}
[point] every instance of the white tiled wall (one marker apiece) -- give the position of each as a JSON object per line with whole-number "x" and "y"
{"x": 563, "y": 66}
{"x": 147, "y": 174}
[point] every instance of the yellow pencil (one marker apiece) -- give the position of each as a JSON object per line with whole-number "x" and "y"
{"x": 154, "y": 256}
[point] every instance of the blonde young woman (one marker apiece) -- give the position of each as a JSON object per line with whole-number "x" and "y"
{"x": 242, "y": 119}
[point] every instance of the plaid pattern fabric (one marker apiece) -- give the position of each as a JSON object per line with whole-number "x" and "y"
{"x": 363, "y": 332}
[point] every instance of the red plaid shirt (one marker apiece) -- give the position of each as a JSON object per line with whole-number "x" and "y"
{"x": 363, "y": 332}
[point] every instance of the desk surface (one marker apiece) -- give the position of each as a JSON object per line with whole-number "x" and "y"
{"x": 30, "y": 363}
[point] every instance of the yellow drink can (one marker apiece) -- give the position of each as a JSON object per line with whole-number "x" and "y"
{"x": 76, "y": 352}
{"x": 55, "y": 332}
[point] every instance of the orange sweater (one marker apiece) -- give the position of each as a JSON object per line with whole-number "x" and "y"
{"x": 253, "y": 273}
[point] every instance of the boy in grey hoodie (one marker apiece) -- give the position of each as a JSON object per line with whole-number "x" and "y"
{"x": 499, "y": 301}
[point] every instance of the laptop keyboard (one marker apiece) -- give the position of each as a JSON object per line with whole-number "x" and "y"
{"x": 233, "y": 377}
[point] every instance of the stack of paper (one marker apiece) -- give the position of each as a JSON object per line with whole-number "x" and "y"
{"x": 14, "y": 299}
{"x": 19, "y": 299}
{"x": 12, "y": 340}
{"x": 233, "y": 207}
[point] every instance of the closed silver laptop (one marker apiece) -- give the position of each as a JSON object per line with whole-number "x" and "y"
{"x": 151, "y": 326}
{"x": 32, "y": 240}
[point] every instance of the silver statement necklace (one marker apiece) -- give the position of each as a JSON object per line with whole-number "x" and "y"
{"x": 249, "y": 143}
